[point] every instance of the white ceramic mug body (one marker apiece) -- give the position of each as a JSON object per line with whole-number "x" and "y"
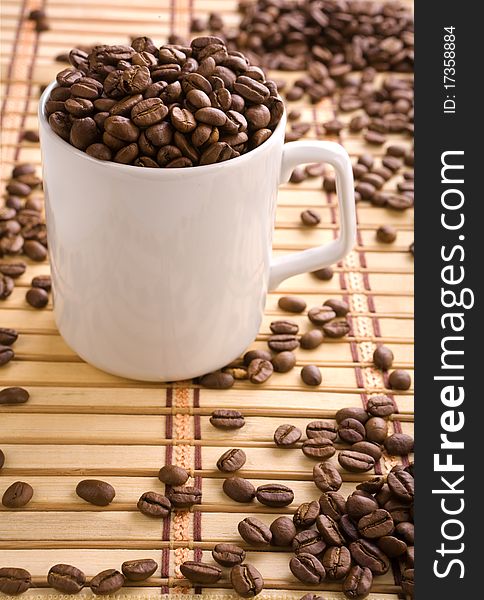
{"x": 159, "y": 274}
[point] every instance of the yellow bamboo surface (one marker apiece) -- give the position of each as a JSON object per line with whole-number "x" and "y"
{"x": 81, "y": 422}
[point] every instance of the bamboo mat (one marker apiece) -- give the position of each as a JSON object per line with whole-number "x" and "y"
{"x": 83, "y": 422}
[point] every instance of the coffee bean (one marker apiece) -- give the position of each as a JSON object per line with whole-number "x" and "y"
{"x": 360, "y": 504}
{"x": 13, "y": 270}
{"x": 374, "y": 138}
{"x": 401, "y": 485}
{"x": 324, "y": 274}
{"x": 228, "y": 555}
{"x": 42, "y": 281}
{"x": 307, "y": 568}
{"x": 352, "y": 412}
{"x": 310, "y": 218}
{"x": 173, "y": 475}
{"x": 107, "y": 582}
{"x": 311, "y": 339}
{"x": 351, "y": 431}
{"x": 376, "y": 429}
{"x": 184, "y": 497}
{"x": 391, "y": 546}
{"x": 152, "y": 504}
{"x": 386, "y": 234}
{"x": 355, "y": 462}
{"x": 282, "y": 342}
{"x": 259, "y": 370}
{"x": 376, "y": 524}
{"x": 311, "y": 375}
{"x": 370, "y": 448}
{"x": 6, "y": 355}
{"x": 231, "y": 460}
{"x": 7, "y": 337}
{"x": 332, "y": 505}
{"x": 17, "y": 495}
{"x": 410, "y": 556}
{"x": 16, "y": 188}
{"x": 283, "y": 531}
{"x": 399, "y": 202}
{"x": 325, "y": 429}
{"x": 326, "y": 477}
{"x": 37, "y": 297}
{"x": 253, "y": 354}
{"x": 298, "y": 175}
{"x": 306, "y": 515}
{"x": 200, "y": 572}
{"x": 319, "y": 448}
{"x": 287, "y": 435}
{"x": 336, "y": 329}
{"x": 14, "y": 395}
{"x": 348, "y": 528}
{"x": 275, "y": 495}
{"x": 283, "y": 361}
{"x": 224, "y": 418}
{"x": 358, "y": 582}
{"x": 246, "y": 580}
{"x": 406, "y": 532}
{"x": 381, "y": 406}
{"x": 35, "y": 250}
{"x": 400, "y": 510}
{"x": 95, "y": 492}
{"x": 139, "y": 569}
{"x": 329, "y": 530}
{"x": 371, "y": 486}
{"x": 14, "y": 581}
{"x": 255, "y": 532}
{"x": 2, "y": 458}
{"x": 383, "y": 358}
{"x": 292, "y": 304}
{"x": 366, "y": 554}
{"x": 308, "y": 542}
{"x": 336, "y": 562}
{"x": 319, "y": 315}
{"x": 339, "y": 307}
{"x": 66, "y": 579}
{"x": 399, "y": 380}
{"x": 239, "y": 489}
{"x": 217, "y": 380}
{"x": 397, "y": 444}
{"x": 278, "y": 327}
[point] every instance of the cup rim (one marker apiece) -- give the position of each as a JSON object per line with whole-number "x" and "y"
{"x": 150, "y": 172}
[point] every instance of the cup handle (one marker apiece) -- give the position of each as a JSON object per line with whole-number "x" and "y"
{"x": 296, "y": 153}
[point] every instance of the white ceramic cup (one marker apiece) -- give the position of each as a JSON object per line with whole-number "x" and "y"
{"x": 162, "y": 274}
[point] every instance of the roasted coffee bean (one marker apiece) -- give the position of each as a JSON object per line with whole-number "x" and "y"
{"x": 2, "y": 458}
{"x": 283, "y": 531}
{"x": 35, "y": 250}
{"x": 410, "y": 556}
{"x": 399, "y": 380}
{"x": 374, "y": 138}
{"x": 231, "y": 460}
{"x": 292, "y": 304}
{"x": 340, "y": 307}
{"x": 7, "y": 337}
{"x": 324, "y": 274}
{"x": 311, "y": 375}
{"x": 360, "y": 504}
{"x": 319, "y": 315}
{"x": 173, "y": 475}
{"x": 318, "y": 448}
{"x": 326, "y": 477}
{"x": 383, "y": 358}
{"x": 149, "y": 112}
{"x": 308, "y": 542}
{"x": 325, "y": 429}
{"x": 275, "y": 495}
{"x": 42, "y": 281}
{"x": 386, "y": 234}
{"x": 330, "y": 531}
{"x": 284, "y": 327}
{"x": 107, "y": 582}
{"x": 358, "y": 582}
{"x": 228, "y": 555}
{"x": 217, "y": 381}
{"x": 239, "y": 489}
{"x": 139, "y": 569}
{"x": 405, "y": 531}
{"x": 225, "y": 418}
{"x": 381, "y": 406}
{"x": 370, "y": 448}
{"x": 367, "y": 554}
{"x": 255, "y": 532}
{"x": 355, "y": 462}
{"x": 402, "y": 485}
{"x": 13, "y": 395}
{"x": 237, "y": 372}
{"x": 336, "y": 329}
{"x": 253, "y": 354}
{"x": 408, "y": 582}
{"x": 348, "y": 528}
{"x": 307, "y": 568}
{"x": 17, "y": 495}
{"x": 399, "y": 201}
{"x": 351, "y": 431}
{"x": 282, "y": 342}
{"x": 352, "y": 412}
{"x": 400, "y": 510}
{"x": 152, "y": 504}
{"x": 306, "y": 514}
{"x": 95, "y": 492}
{"x": 184, "y": 497}
{"x": 66, "y": 579}
{"x": 246, "y": 580}
{"x": 297, "y": 176}
{"x": 6, "y": 355}
{"x": 200, "y": 572}
{"x": 376, "y": 524}
{"x": 311, "y": 339}
{"x": 391, "y": 546}
{"x": 17, "y": 188}
{"x": 14, "y": 581}
{"x": 13, "y": 270}
{"x": 336, "y": 562}
{"x": 397, "y": 444}
{"x": 259, "y": 370}
{"x": 283, "y": 361}
{"x": 372, "y": 486}
{"x": 287, "y": 435}
{"x": 37, "y": 297}
{"x": 310, "y": 218}
{"x": 332, "y": 504}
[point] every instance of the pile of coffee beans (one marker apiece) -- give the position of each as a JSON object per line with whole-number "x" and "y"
{"x": 172, "y": 106}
